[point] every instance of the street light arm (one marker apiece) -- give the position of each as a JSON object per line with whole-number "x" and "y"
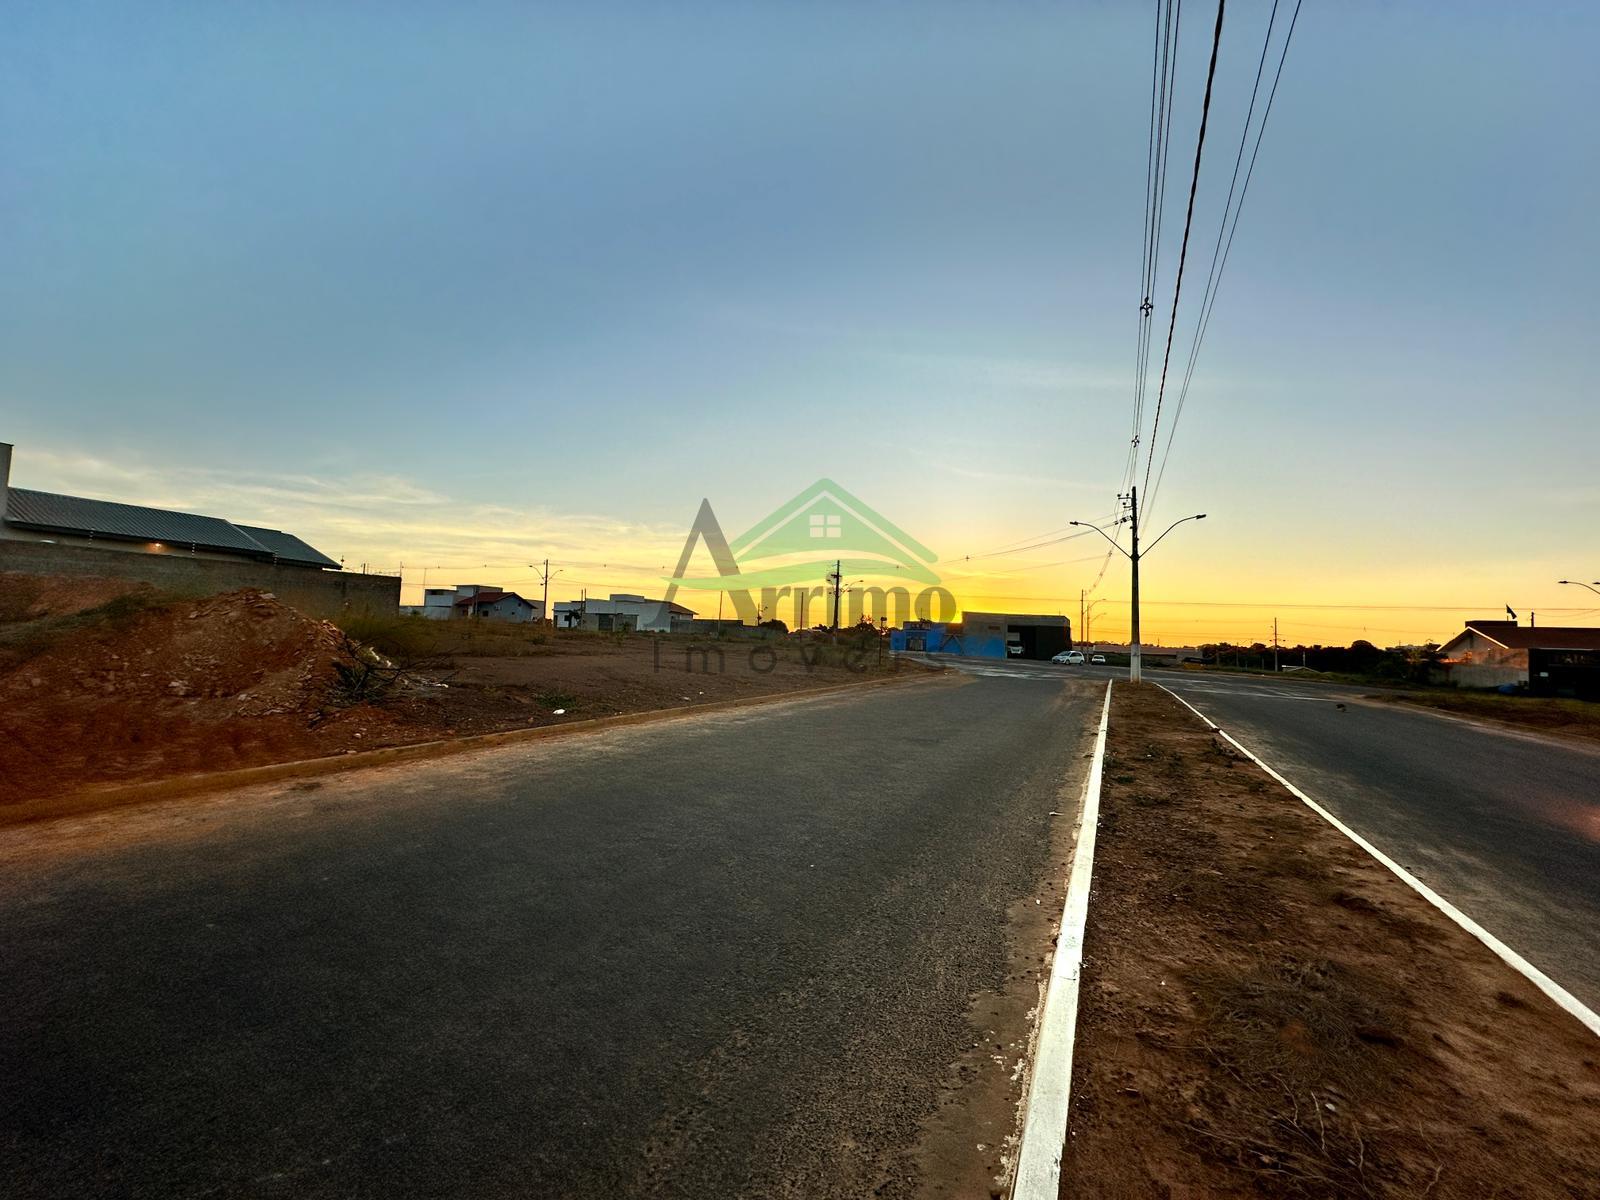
{"x": 1104, "y": 534}
{"x": 1576, "y": 583}
{"x": 1170, "y": 528}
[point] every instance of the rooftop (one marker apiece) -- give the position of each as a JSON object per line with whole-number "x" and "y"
{"x": 48, "y": 512}
{"x": 1536, "y": 637}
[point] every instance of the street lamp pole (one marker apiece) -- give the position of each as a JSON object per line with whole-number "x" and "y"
{"x": 1135, "y": 663}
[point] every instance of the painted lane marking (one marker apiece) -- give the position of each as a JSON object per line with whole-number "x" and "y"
{"x": 1044, "y": 1129}
{"x": 1506, "y": 954}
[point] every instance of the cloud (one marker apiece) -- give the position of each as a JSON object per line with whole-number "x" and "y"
{"x": 968, "y": 471}
{"x": 379, "y": 519}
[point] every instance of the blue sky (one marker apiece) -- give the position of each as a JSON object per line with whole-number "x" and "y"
{"x": 480, "y": 283}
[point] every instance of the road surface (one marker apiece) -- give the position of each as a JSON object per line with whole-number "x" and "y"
{"x": 1503, "y": 824}
{"x": 723, "y": 955}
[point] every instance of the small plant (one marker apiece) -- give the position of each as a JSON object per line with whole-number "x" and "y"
{"x": 381, "y": 653}
{"x": 552, "y": 698}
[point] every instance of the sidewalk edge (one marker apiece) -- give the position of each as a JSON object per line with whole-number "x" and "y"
{"x": 1044, "y": 1128}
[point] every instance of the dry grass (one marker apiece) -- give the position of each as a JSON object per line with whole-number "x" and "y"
{"x": 1548, "y": 714}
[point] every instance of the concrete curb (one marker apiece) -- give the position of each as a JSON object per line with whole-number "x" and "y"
{"x": 1044, "y": 1128}
{"x": 1505, "y": 953}
{"x": 307, "y": 768}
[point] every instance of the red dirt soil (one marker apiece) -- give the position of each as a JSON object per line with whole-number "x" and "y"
{"x": 1266, "y": 1011}
{"x": 173, "y": 688}
{"x": 31, "y": 597}
{"x": 104, "y": 682}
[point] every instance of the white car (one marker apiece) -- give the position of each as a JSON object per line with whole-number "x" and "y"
{"x": 1098, "y": 660}
{"x": 1072, "y": 658}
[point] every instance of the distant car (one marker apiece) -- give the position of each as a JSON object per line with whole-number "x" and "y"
{"x": 1072, "y": 658}
{"x": 1099, "y": 659}
{"x": 1014, "y": 649}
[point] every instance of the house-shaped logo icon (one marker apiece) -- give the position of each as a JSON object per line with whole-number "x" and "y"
{"x": 802, "y": 540}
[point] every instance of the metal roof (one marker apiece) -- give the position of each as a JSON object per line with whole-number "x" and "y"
{"x": 52, "y": 513}
{"x": 287, "y": 547}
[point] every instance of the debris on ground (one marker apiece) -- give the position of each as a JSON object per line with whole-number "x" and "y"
{"x": 107, "y": 682}
{"x": 145, "y": 687}
{"x": 1267, "y": 1011}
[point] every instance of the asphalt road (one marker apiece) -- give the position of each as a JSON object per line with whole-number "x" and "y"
{"x": 715, "y": 956}
{"x": 1504, "y": 825}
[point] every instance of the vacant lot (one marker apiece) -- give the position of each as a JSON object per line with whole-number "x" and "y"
{"x": 1266, "y": 1011}
{"x": 101, "y": 685}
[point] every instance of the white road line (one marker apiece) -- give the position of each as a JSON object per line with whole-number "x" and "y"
{"x": 1044, "y": 1128}
{"x": 1509, "y": 956}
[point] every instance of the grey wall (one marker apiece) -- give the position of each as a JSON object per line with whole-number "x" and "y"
{"x": 316, "y": 593}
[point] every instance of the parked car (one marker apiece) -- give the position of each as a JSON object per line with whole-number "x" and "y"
{"x": 1072, "y": 658}
{"x": 1014, "y": 649}
{"x": 1098, "y": 659}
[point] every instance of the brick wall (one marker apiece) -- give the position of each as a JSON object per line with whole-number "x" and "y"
{"x": 316, "y": 593}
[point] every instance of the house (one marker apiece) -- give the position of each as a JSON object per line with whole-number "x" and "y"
{"x": 1547, "y": 660}
{"x": 623, "y": 610}
{"x": 48, "y": 517}
{"x": 493, "y": 605}
{"x": 438, "y": 604}
{"x": 474, "y": 600}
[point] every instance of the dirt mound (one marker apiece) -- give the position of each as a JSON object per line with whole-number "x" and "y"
{"x": 31, "y": 597}
{"x": 132, "y": 691}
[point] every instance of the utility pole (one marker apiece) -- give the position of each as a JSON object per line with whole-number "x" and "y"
{"x": 1135, "y": 665}
{"x": 544, "y": 578}
{"x": 837, "y": 579}
{"x": 1083, "y": 621}
{"x": 1275, "y": 645}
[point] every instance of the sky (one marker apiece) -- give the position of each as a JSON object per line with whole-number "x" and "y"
{"x": 458, "y": 288}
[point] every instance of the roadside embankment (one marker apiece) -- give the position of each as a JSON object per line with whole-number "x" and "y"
{"x": 1268, "y": 1011}
{"x": 106, "y": 684}
{"x": 1551, "y": 715}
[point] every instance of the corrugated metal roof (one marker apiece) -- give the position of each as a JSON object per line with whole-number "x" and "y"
{"x": 288, "y": 548}
{"x": 52, "y": 513}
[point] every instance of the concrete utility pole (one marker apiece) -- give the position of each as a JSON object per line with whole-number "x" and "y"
{"x": 544, "y": 578}
{"x": 837, "y": 579}
{"x": 1135, "y": 658}
{"x": 1135, "y": 665}
{"x": 1275, "y": 669}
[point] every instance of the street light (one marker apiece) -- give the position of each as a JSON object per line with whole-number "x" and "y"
{"x": 1135, "y": 666}
{"x": 1574, "y": 583}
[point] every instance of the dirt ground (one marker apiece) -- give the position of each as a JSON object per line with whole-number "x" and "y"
{"x": 591, "y": 676}
{"x": 102, "y": 684}
{"x": 1536, "y": 714}
{"x": 1266, "y": 1011}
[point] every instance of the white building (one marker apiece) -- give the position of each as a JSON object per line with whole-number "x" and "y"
{"x": 622, "y": 610}
{"x": 475, "y": 600}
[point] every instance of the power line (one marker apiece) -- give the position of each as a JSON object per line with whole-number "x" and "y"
{"x": 1218, "y": 266}
{"x": 1188, "y": 221}
{"x": 1163, "y": 72}
{"x": 1010, "y": 548}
